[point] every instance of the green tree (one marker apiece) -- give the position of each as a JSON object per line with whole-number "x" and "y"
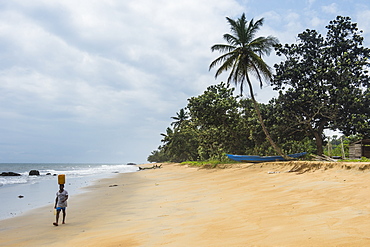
{"x": 327, "y": 82}
{"x": 178, "y": 145}
{"x": 243, "y": 56}
{"x": 157, "y": 156}
{"x": 216, "y": 115}
{"x": 180, "y": 119}
{"x": 218, "y": 122}
{"x": 168, "y": 136}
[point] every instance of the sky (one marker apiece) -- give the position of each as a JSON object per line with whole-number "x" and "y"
{"x": 98, "y": 81}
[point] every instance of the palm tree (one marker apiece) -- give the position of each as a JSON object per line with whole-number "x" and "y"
{"x": 243, "y": 55}
{"x": 168, "y": 136}
{"x": 181, "y": 117}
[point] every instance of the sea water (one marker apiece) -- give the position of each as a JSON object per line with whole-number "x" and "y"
{"x": 19, "y": 194}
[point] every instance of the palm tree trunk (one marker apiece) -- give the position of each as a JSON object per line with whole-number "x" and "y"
{"x": 256, "y": 107}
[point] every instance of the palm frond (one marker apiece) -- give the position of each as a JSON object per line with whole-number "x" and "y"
{"x": 228, "y": 63}
{"x": 243, "y": 52}
{"x": 234, "y": 41}
{"x": 220, "y": 60}
{"x": 263, "y": 45}
{"x": 260, "y": 69}
{"x": 222, "y": 48}
{"x": 252, "y": 29}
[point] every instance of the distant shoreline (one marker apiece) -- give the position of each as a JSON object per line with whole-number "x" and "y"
{"x": 38, "y": 191}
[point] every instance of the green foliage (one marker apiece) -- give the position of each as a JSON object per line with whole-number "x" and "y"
{"x": 327, "y": 82}
{"x": 337, "y": 146}
{"x": 363, "y": 159}
{"x": 243, "y": 52}
{"x": 209, "y": 163}
{"x": 157, "y": 156}
{"x": 334, "y": 145}
{"x": 217, "y": 118}
{"x": 323, "y": 84}
{"x": 219, "y": 123}
{"x": 181, "y": 119}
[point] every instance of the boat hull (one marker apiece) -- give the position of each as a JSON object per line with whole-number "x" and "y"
{"x": 256, "y": 158}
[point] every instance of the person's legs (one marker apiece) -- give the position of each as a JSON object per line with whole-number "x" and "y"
{"x": 64, "y": 215}
{"x": 57, "y": 218}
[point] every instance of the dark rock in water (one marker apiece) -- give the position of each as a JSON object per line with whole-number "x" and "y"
{"x": 131, "y": 164}
{"x": 34, "y": 173}
{"x": 20, "y": 196}
{"x": 10, "y": 174}
{"x": 48, "y": 173}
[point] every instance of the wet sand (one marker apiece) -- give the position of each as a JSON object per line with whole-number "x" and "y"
{"x": 316, "y": 204}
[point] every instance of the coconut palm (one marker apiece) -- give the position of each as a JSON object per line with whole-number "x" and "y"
{"x": 243, "y": 56}
{"x": 181, "y": 117}
{"x": 168, "y": 136}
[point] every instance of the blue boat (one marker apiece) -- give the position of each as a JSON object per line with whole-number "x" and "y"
{"x": 256, "y": 158}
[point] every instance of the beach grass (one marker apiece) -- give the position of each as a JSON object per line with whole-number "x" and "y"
{"x": 208, "y": 163}
{"x": 363, "y": 159}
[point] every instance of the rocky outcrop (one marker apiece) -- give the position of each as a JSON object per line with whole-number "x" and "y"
{"x": 34, "y": 173}
{"x": 9, "y": 174}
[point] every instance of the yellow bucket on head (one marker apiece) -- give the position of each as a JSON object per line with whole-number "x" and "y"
{"x": 61, "y": 179}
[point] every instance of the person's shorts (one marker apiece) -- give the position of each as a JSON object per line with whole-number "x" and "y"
{"x": 61, "y": 208}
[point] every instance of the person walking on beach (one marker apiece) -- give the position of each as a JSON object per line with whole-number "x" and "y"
{"x": 61, "y": 204}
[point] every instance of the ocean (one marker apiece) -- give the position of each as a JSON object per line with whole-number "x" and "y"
{"x": 19, "y": 194}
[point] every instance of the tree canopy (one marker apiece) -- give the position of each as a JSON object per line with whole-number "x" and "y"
{"x": 217, "y": 122}
{"x": 324, "y": 81}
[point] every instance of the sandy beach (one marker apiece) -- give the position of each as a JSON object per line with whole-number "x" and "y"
{"x": 315, "y": 204}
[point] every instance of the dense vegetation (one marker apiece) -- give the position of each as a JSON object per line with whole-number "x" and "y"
{"x": 327, "y": 82}
{"x": 323, "y": 84}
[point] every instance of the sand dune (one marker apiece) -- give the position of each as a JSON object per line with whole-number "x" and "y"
{"x": 315, "y": 204}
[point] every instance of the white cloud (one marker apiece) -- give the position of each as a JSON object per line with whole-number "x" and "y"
{"x": 311, "y": 2}
{"x": 101, "y": 73}
{"x": 105, "y": 64}
{"x": 363, "y": 22}
{"x": 317, "y": 22}
{"x": 330, "y": 9}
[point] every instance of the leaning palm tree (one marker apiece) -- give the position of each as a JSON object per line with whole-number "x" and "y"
{"x": 243, "y": 56}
